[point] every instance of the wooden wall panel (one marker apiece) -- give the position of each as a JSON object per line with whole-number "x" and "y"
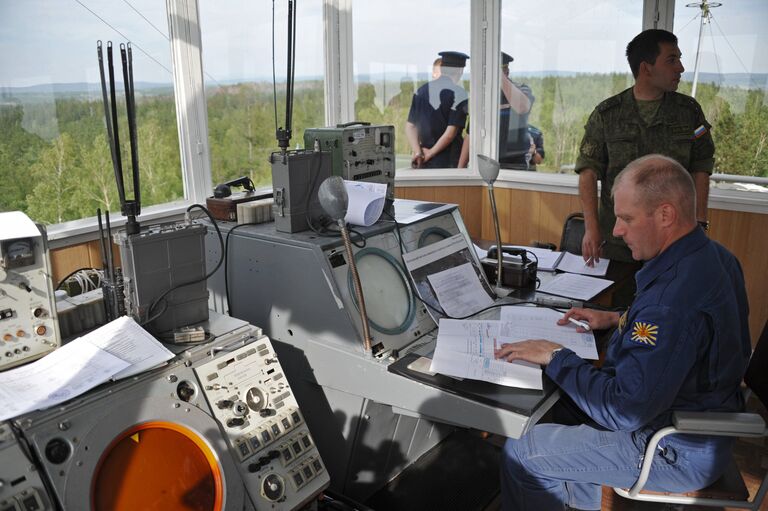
{"x": 744, "y": 234}
{"x": 467, "y": 197}
{"x": 65, "y": 260}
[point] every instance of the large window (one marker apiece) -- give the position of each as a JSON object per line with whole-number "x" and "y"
{"x": 568, "y": 57}
{"x": 54, "y": 158}
{"x": 238, "y": 65}
{"x": 396, "y": 44}
{"x": 731, "y": 78}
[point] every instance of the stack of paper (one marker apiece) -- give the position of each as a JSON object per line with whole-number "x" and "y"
{"x": 116, "y": 350}
{"x": 465, "y": 349}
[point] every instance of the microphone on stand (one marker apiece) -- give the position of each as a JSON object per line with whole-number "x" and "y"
{"x": 489, "y": 171}
{"x": 334, "y": 200}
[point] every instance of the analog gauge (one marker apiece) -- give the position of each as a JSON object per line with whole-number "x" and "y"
{"x": 256, "y": 399}
{"x": 17, "y": 253}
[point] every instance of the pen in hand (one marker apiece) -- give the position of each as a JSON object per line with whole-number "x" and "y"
{"x": 582, "y": 324}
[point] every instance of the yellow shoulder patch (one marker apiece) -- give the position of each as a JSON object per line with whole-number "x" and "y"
{"x": 645, "y": 333}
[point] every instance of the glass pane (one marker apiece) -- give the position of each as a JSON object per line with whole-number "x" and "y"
{"x": 732, "y": 78}
{"x": 568, "y": 57}
{"x": 390, "y": 69}
{"x": 237, "y": 63}
{"x": 55, "y": 161}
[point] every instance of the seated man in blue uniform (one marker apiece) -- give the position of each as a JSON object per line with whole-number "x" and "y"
{"x": 682, "y": 345}
{"x": 438, "y": 115}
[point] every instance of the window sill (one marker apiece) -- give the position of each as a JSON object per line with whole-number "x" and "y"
{"x": 719, "y": 198}
{"x": 87, "y": 229}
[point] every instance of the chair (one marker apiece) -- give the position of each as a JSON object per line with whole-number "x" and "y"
{"x": 573, "y": 233}
{"x": 730, "y": 490}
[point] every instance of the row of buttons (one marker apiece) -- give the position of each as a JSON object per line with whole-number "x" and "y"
{"x": 304, "y": 473}
{"x": 248, "y": 445}
{"x": 294, "y": 447}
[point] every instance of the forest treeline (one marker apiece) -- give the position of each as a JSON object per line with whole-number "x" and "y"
{"x": 55, "y": 163}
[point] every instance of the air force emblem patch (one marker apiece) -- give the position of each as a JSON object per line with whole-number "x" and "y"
{"x": 645, "y": 333}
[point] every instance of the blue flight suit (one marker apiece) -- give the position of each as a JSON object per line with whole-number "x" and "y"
{"x": 435, "y": 106}
{"x": 684, "y": 344}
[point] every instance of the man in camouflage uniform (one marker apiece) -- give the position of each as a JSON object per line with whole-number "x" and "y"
{"x": 649, "y": 117}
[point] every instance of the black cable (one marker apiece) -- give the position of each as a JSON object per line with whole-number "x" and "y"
{"x": 62, "y": 281}
{"x": 206, "y": 277}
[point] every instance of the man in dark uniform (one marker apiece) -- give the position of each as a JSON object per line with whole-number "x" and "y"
{"x": 516, "y": 147}
{"x": 516, "y": 102}
{"x": 683, "y": 345}
{"x": 438, "y": 115}
{"x": 649, "y": 117}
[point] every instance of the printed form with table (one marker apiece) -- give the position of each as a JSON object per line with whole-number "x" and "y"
{"x": 449, "y": 280}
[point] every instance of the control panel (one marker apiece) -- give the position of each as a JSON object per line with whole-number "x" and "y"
{"x": 360, "y": 152}
{"x": 21, "y": 488}
{"x": 28, "y": 326}
{"x": 252, "y": 400}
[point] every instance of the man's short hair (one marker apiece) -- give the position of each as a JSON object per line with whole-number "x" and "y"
{"x": 656, "y": 180}
{"x": 645, "y": 47}
{"x": 438, "y": 62}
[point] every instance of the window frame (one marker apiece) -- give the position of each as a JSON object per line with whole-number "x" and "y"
{"x": 485, "y": 38}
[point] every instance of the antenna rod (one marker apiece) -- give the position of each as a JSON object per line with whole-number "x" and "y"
{"x": 105, "y": 100}
{"x": 130, "y": 207}
{"x": 118, "y": 164}
{"x": 134, "y": 134}
{"x": 284, "y": 135}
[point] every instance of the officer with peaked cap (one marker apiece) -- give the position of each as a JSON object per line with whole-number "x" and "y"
{"x": 438, "y": 115}
{"x": 516, "y": 102}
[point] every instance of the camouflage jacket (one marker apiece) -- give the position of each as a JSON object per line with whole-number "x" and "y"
{"x": 615, "y": 134}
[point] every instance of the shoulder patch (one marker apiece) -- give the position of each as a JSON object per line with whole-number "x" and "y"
{"x": 645, "y": 333}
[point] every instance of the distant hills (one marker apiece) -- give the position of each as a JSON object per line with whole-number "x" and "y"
{"x": 8, "y": 94}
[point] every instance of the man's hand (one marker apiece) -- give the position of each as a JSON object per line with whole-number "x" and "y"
{"x": 597, "y": 320}
{"x": 591, "y": 245}
{"x": 536, "y": 351}
{"x": 417, "y": 160}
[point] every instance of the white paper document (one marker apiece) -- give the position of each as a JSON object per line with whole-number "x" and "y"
{"x": 547, "y": 260}
{"x": 125, "y": 339}
{"x": 366, "y": 202}
{"x": 573, "y": 263}
{"x": 63, "y": 374}
{"x": 521, "y": 323}
{"x": 116, "y": 350}
{"x": 459, "y": 291}
{"x": 572, "y": 285}
{"x": 465, "y": 349}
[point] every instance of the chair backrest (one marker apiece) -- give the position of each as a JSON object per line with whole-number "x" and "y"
{"x": 573, "y": 233}
{"x": 756, "y": 376}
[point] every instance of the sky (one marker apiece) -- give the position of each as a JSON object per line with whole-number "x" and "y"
{"x": 44, "y": 41}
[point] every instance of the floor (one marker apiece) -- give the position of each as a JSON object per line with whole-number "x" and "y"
{"x": 457, "y": 478}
